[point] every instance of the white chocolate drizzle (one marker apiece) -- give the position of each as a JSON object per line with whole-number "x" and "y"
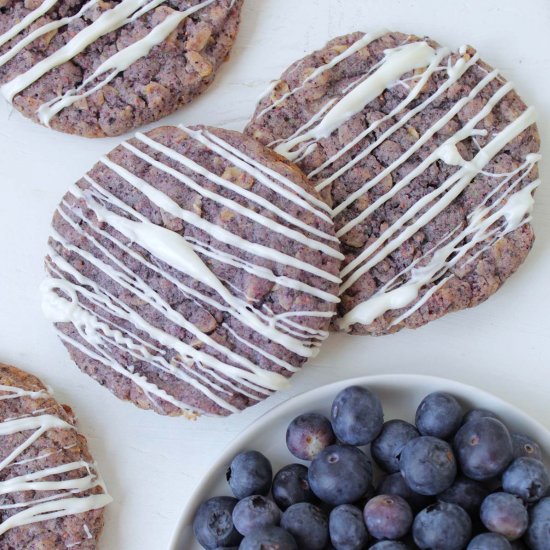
{"x": 511, "y": 205}
{"x": 62, "y": 499}
{"x": 70, "y": 296}
{"x": 123, "y": 13}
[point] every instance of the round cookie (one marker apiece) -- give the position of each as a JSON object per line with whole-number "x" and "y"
{"x": 428, "y": 159}
{"x": 52, "y": 494}
{"x": 192, "y": 271}
{"x": 100, "y": 68}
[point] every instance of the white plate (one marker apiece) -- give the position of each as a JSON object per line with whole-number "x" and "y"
{"x": 400, "y": 395}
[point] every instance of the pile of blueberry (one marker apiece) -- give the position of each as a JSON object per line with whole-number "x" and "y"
{"x": 455, "y": 480}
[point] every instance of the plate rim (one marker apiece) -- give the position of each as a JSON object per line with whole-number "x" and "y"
{"x": 256, "y": 425}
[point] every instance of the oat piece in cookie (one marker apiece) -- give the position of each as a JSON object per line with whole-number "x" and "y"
{"x": 52, "y": 494}
{"x": 97, "y": 68}
{"x": 192, "y": 271}
{"x": 428, "y": 159}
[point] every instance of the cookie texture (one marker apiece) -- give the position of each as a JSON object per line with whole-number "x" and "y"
{"x": 101, "y": 68}
{"x": 52, "y": 494}
{"x": 428, "y": 159}
{"x": 192, "y": 271}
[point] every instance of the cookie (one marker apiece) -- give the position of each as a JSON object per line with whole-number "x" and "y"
{"x": 192, "y": 271}
{"x": 100, "y": 68}
{"x": 428, "y": 159}
{"x": 52, "y": 494}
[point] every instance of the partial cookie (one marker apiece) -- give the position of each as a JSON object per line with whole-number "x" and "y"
{"x": 103, "y": 68}
{"x": 52, "y": 494}
{"x": 192, "y": 271}
{"x": 429, "y": 161}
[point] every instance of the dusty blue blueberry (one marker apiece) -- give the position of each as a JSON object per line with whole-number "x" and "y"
{"x": 489, "y": 541}
{"x": 525, "y": 446}
{"x": 357, "y": 416}
{"x": 505, "y": 514}
{"x": 526, "y": 478}
{"x": 476, "y": 414}
{"x": 347, "y": 528}
{"x": 386, "y": 447}
{"x": 439, "y": 415}
{"x": 483, "y": 448}
{"x": 538, "y": 535}
{"x": 308, "y": 434}
{"x": 254, "y": 512}
{"x": 249, "y": 474}
{"x": 467, "y": 493}
{"x": 389, "y": 545}
{"x": 394, "y": 484}
{"x": 291, "y": 485}
{"x": 213, "y": 523}
{"x": 340, "y": 474}
{"x": 428, "y": 465}
{"x": 442, "y": 526}
{"x": 308, "y": 524}
{"x": 388, "y": 517}
{"x": 269, "y": 538}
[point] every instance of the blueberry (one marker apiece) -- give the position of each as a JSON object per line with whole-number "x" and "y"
{"x": 340, "y": 474}
{"x": 483, "y": 448}
{"x": 465, "y": 492}
{"x": 525, "y": 446}
{"x": 538, "y": 536}
{"x": 213, "y": 523}
{"x": 428, "y": 465}
{"x": 308, "y": 434}
{"x": 386, "y": 447}
{"x": 526, "y": 478}
{"x": 439, "y": 415}
{"x": 388, "y": 517}
{"x": 505, "y": 514}
{"x": 254, "y": 512}
{"x": 394, "y": 484}
{"x": 476, "y": 414}
{"x": 307, "y": 524}
{"x": 442, "y": 526}
{"x": 291, "y": 486}
{"x": 389, "y": 545}
{"x": 347, "y": 528}
{"x": 489, "y": 541}
{"x": 357, "y": 416}
{"x": 249, "y": 474}
{"x": 269, "y": 538}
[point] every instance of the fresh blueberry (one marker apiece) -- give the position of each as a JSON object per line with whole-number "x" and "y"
{"x": 476, "y": 414}
{"x": 526, "y": 478}
{"x": 394, "y": 484}
{"x": 389, "y": 545}
{"x": 483, "y": 448}
{"x": 442, "y": 526}
{"x": 505, "y": 514}
{"x": 213, "y": 523}
{"x": 386, "y": 447}
{"x": 489, "y": 541}
{"x": 428, "y": 465}
{"x": 291, "y": 486}
{"x": 439, "y": 415}
{"x": 340, "y": 474}
{"x": 465, "y": 492}
{"x": 357, "y": 416}
{"x": 525, "y": 446}
{"x": 308, "y": 434}
{"x": 269, "y": 538}
{"x": 254, "y": 512}
{"x": 307, "y": 524}
{"x": 249, "y": 474}
{"x": 347, "y": 528}
{"x": 388, "y": 517}
{"x": 538, "y": 536}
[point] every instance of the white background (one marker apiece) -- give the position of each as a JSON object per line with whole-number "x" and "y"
{"x": 151, "y": 463}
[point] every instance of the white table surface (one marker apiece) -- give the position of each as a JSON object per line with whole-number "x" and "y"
{"x": 151, "y": 463}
